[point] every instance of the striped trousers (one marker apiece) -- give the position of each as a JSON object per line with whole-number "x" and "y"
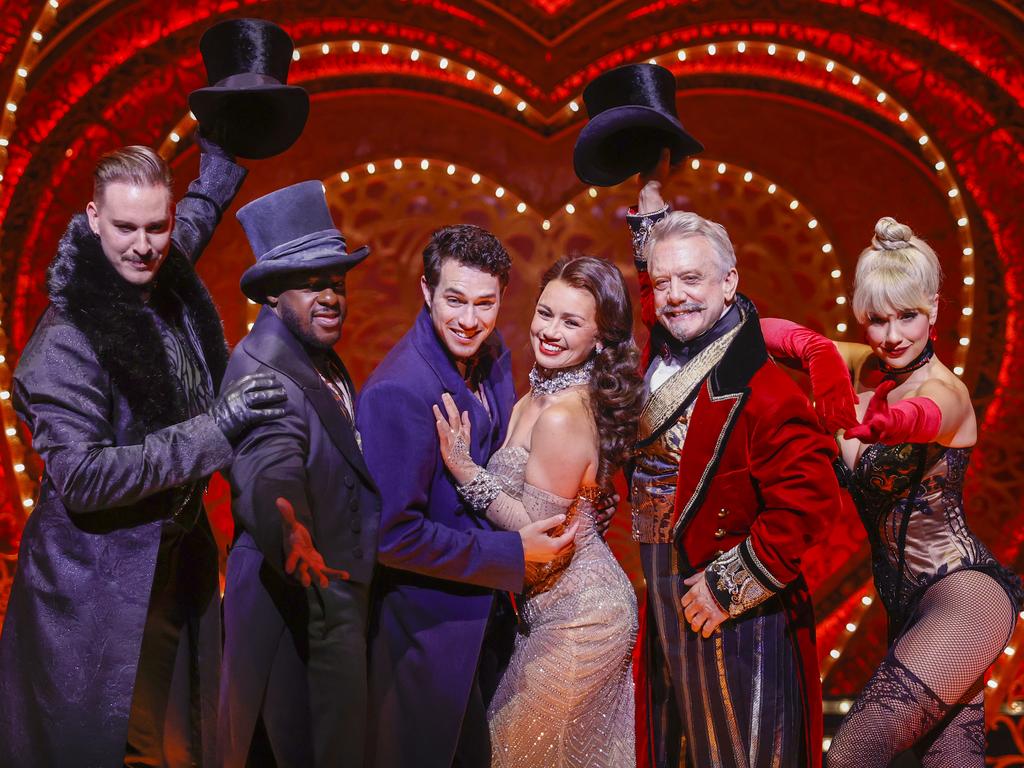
{"x": 732, "y": 700}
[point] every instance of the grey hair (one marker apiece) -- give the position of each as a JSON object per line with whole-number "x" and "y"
{"x": 682, "y": 224}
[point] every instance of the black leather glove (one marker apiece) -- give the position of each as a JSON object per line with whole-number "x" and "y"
{"x": 248, "y": 402}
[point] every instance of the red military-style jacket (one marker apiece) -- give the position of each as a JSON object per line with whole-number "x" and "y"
{"x": 755, "y": 490}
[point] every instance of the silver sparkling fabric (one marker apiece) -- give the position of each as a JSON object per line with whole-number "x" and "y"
{"x": 566, "y": 698}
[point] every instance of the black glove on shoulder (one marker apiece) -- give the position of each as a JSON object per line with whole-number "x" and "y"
{"x": 247, "y": 402}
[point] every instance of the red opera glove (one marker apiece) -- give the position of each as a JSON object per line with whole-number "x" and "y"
{"x": 834, "y": 397}
{"x": 914, "y": 420}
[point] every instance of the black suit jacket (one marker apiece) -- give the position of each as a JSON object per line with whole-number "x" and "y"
{"x": 310, "y": 456}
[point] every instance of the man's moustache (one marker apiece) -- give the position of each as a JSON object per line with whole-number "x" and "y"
{"x": 670, "y": 308}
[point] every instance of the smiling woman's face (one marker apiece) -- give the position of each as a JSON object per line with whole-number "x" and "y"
{"x": 564, "y": 328}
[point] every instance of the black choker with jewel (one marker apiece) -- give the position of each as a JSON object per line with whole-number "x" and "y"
{"x": 549, "y": 382}
{"x": 918, "y": 362}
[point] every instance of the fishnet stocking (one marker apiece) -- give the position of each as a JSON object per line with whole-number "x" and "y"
{"x": 932, "y": 673}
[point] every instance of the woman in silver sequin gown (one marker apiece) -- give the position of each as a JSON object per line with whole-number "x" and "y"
{"x": 566, "y": 697}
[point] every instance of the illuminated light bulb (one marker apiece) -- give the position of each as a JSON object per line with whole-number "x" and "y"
{"x": 250, "y": 301}
{"x": 721, "y": 167}
{"x": 3, "y": 359}
{"x": 904, "y": 117}
{"x": 940, "y": 166}
{"x": 296, "y": 55}
{"x": 475, "y": 178}
{"x": 844, "y": 706}
{"x": 801, "y": 56}
{"x": 836, "y": 273}
{"x": 771, "y": 49}
{"x": 414, "y": 55}
{"x": 326, "y": 48}
{"x": 592, "y": 192}
{"x": 19, "y": 467}
{"x": 962, "y": 221}
{"x": 175, "y": 137}
{"x": 812, "y": 223}
{"x": 651, "y": 61}
{"x": 545, "y": 225}
{"x": 398, "y": 164}
{"x": 22, "y": 72}
{"x": 834, "y": 653}
{"x": 840, "y": 299}
{"x": 443, "y": 63}
{"x": 11, "y": 431}
{"x": 450, "y": 169}
{"x": 855, "y": 79}
{"x": 968, "y": 251}
{"x": 521, "y": 106}
{"x": 521, "y": 208}
{"x": 681, "y": 55}
{"x": 968, "y": 280}
{"x": 992, "y": 684}
{"x": 371, "y": 168}
{"x": 793, "y": 205}
{"x": 880, "y": 97}
{"x": 953, "y": 192}
{"x": 499, "y": 192}
{"x": 826, "y": 742}
{"x": 1009, "y": 650}
{"x": 345, "y": 176}
{"x": 967, "y": 311}
{"x": 385, "y": 49}
{"x": 27, "y": 502}
{"x": 4, "y": 142}
{"x": 771, "y": 189}
{"x": 964, "y": 341}
{"x": 496, "y": 90}
{"x": 867, "y": 600}
{"x": 922, "y": 140}
{"x": 826, "y": 248}
{"x": 695, "y": 164}
{"x": 830, "y": 66}
{"x": 748, "y": 177}
{"x": 356, "y": 47}
{"x": 248, "y": 326}
{"x": 470, "y": 74}
{"x": 570, "y": 209}
{"x": 574, "y": 106}
{"x": 5, "y": 395}
{"x": 851, "y": 627}
{"x": 54, "y": 4}
{"x": 37, "y": 36}
{"x": 12, "y": 107}
{"x": 742, "y": 47}
{"x": 841, "y": 327}
{"x": 424, "y": 164}
{"x": 712, "y": 50}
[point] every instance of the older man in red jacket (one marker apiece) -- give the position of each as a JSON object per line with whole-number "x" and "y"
{"x": 732, "y": 483}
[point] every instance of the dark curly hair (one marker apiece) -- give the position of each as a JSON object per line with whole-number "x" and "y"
{"x": 468, "y": 245}
{"x": 616, "y": 389}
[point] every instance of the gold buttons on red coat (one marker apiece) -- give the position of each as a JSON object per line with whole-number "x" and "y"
{"x": 720, "y": 533}
{"x": 723, "y": 512}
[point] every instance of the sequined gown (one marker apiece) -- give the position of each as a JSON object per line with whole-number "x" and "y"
{"x": 910, "y": 499}
{"x": 566, "y": 698}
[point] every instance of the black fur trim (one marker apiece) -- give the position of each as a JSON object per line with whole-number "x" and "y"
{"x": 89, "y": 293}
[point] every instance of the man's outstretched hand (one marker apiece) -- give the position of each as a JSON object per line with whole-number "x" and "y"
{"x": 300, "y": 554}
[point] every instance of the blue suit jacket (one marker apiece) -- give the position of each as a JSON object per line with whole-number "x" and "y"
{"x": 443, "y": 562}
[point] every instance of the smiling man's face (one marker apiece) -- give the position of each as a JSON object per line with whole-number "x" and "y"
{"x": 463, "y": 307}
{"x": 313, "y": 306}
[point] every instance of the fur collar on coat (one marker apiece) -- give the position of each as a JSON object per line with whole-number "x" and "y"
{"x": 86, "y": 289}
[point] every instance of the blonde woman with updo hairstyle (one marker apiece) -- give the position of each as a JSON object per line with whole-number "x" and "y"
{"x": 951, "y": 605}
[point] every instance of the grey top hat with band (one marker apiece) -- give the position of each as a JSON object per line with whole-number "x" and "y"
{"x": 248, "y": 106}
{"x": 633, "y": 117}
{"x": 291, "y": 230}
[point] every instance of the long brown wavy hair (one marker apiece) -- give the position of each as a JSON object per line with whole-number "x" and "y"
{"x": 616, "y": 389}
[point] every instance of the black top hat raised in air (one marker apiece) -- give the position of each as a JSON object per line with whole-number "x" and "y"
{"x": 248, "y": 106}
{"x": 291, "y": 231}
{"x": 633, "y": 117}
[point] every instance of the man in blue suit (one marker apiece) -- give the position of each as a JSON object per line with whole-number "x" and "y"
{"x": 306, "y": 510}
{"x": 436, "y": 599}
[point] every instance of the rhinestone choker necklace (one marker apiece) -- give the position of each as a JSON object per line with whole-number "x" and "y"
{"x": 555, "y": 381}
{"x": 918, "y": 362}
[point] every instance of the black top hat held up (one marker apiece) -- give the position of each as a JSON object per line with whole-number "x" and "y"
{"x": 633, "y": 117}
{"x": 248, "y": 105}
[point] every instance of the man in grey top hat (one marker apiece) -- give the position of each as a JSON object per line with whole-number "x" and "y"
{"x": 305, "y": 508}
